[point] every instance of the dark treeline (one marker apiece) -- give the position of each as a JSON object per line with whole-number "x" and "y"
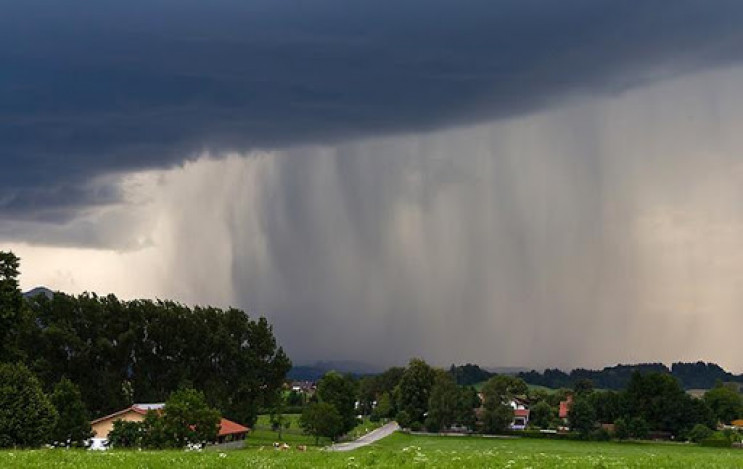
{"x": 699, "y": 375}
{"x": 123, "y": 352}
{"x": 469, "y": 374}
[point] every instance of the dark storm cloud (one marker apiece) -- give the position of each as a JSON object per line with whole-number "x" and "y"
{"x": 91, "y": 88}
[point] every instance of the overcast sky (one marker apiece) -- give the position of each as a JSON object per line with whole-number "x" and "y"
{"x": 515, "y": 182}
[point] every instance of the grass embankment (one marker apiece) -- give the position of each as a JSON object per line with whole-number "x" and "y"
{"x": 401, "y": 450}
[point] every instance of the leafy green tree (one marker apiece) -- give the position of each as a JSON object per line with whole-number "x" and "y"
{"x": 583, "y": 387}
{"x": 414, "y": 389}
{"x": 389, "y": 379}
{"x": 403, "y": 419}
{"x": 496, "y": 417}
{"x": 295, "y": 399}
{"x": 542, "y": 414}
{"x": 444, "y": 403}
{"x": 607, "y": 404}
{"x": 582, "y": 416}
{"x": 659, "y": 400}
{"x": 367, "y": 394}
{"x": 383, "y": 409}
{"x": 153, "y": 432}
{"x": 27, "y": 417}
{"x": 621, "y": 429}
{"x": 638, "y": 428}
{"x": 726, "y": 404}
{"x": 497, "y": 392}
{"x": 504, "y": 388}
{"x": 73, "y": 424}
{"x": 321, "y": 419}
{"x": 125, "y": 434}
{"x": 467, "y": 400}
{"x": 340, "y": 392}
{"x": 187, "y": 418}
{"x": 279, "y": 421}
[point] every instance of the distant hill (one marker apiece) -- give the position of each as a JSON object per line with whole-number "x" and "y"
{"x": 39, "y": 291}
{"x": 315, "y": 371}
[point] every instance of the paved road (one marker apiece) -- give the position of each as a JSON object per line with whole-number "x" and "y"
{"x": 369, "y": 438}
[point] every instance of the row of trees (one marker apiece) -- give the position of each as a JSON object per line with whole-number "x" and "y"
{"x": 654, "y": 403}
{"x": 117, "y": 352}
{"x": 699, "y": 375}
{"x": 420, "y": 396}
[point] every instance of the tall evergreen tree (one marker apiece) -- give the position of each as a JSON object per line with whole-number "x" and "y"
{"x": 11, "y": 302}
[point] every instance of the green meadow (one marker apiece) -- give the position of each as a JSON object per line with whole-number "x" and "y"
{"x": 400, "y": 450}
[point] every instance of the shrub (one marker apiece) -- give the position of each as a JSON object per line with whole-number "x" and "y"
{"x": 715, "y": 442}
{"x": 600, "y": 434}
{"x": 700, "y": 432}
{"x": 621, "y": 429}
{"x": 638, "y": 428}
{"x": 416, "y": 426}
{"x": 125, "y": 434}
{"x": 403, "y": 419}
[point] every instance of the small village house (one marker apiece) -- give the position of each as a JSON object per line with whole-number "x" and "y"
{"x": 228, "y": 430}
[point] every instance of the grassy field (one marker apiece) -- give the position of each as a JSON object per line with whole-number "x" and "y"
{"x": 262, "y": 435}
{"x": 402, "y": 450}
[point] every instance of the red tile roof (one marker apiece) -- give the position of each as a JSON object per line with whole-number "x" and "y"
{"x": 228, "y": 427}
{"x": 521, "y": 412}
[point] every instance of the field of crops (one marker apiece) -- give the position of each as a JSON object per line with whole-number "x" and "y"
{"x": 405, "y": 451}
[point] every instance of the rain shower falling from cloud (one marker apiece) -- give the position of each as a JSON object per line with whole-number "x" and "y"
{"x": 606, "y": 229}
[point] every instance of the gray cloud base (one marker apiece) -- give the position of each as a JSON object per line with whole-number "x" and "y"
{"x": 94, "y": 88}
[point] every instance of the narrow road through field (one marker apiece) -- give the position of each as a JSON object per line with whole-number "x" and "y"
{"x": 369, "y": 438}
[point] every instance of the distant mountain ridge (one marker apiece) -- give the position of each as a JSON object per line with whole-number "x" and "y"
{"x": 315, "y": 371}
{"x": 39, "y": 291}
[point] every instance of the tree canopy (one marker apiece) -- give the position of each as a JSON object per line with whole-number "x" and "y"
{"x": 414, "y": 389}
{"x": 27, "y": 417}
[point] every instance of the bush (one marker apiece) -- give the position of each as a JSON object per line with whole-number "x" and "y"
{"x": 699, "y": 432}
{"x": 432, "y": 425}
{"x": 125, "y": 434}
{"x": 715, "y": 442}
{"x": 621, "y": 429}
{"x": 27, "y": 417}
{"x": 416, "y": 426}
{"x": 403, "y": 419}
{"x": 638, "y": 428}
{"x": 600, "y": 434}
